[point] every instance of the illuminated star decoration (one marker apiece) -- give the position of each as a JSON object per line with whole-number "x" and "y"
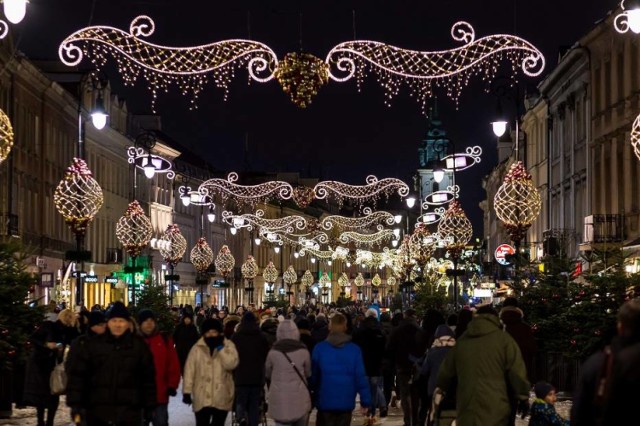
{"x": 201, "y": 255}
{"x": 134, "y": 230}
{"x": 78, "y": 197}
{"x": 6, "y": 136}
{"x": 188, "y": 68}
{"x": 175, "y": 245}
{"x": 225, "y": 261}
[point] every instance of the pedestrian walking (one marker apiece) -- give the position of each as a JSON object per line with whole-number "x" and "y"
{"x": 444, "y": 340}
{"x": 208, "y": 375}
{"x": 305, "y": 333}
{"x": 288, "y": 368}
{"x": 185, "y": 336}
{"x": 543, "y": 412}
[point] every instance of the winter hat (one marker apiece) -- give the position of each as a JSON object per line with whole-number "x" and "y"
{"x": 542, "y": 389}
{"x": 144, "y": 315}
{"x": 96, "y": 317}
{"x": 187, "y": 314}
{"x": 287, "y": 329}
{"x": 118, "y": 310}
{"x": 303, "y": 324}
{"x": 442, "y": 331}
{"x": 249, "y": 318}
{"x": 210, "y": 324}
{"x": 371, "y": 313}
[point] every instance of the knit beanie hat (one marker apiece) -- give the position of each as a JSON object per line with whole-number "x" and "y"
{"x": 303, "y": 324}
{"x": 210, "y": 324}
{"x": 144, "y": 315}
{"x": 443, "y": 330}
{"x": 96, "y": 317}
{"x": 118, "y": 310}
{"x": 542, "y": 389}
{"x": 287, "y": 329}
{"x": 248, "y": 317}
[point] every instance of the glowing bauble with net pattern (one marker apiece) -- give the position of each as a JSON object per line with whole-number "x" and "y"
{"x": 174, "y": 245}
{"x": 78, "y": 197}
{"x": 391, "y": 281}
{"x": 421, "y": 244}
{"x": 290, "y": 276}
{"x": 225, "y": 261}
{"x": 301, "y": 75}
{"x": 376, "y": 280}
{"x": 517, "y": 202}
{"x": 201, "y": 255}
{"x": 6, "y": 136}
{"x": 343, "y": 281}
{"x": 307, "y": 279}
{"x": 270, "y": 273}
{"x": 134, "y": 230}
{"x": 359, "y": 280}
{"x": 249, "y": 268}
{"x": 455, "y": 229}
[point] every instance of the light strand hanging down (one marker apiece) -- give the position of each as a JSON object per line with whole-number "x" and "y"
{"x": 379, "y": 237}
{"x": 134, "y": 230}
{"x": 245, "y": 194}
{"x": 422, "y": 71}
{"x": 6, "y": 136}
{"x": 188, "y": 68}
{"x": 287, "y": 224}
{"x": 369, "y": 219}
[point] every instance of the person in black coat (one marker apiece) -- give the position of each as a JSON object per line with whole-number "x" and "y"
{"x": 372, "y": 342}
{"x": 305, "y": 334}
{"x": 249, "y": 375}
{"x": 185, "y": 336}
{"x": 111, "y": 377}
{"x": 320, "y": 329}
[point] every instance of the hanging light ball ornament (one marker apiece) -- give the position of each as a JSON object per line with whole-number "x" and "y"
{"x": 174, "y": 245}
{"x": 455, "y": 229}
{"x": 270, "y": 273}
{"x": 421, "y": 244}
{"x": 343, "y": 281}
{"x": 201, "y": 255}
{"x": 359, "y": 280}
{"x": 134, "y": 230}
{"x": 6, "y": 136}
{"x": 517, "y": 201}
{"x": 376, "y": 280}
{"x": 249, "y": 268}
{"x": 307, "y": 279}
{"x": 225, "y": 261}
{"x": 290, "y": 276}
{"x": 391, "y": 281}
{"x": 325, "y": 281}
{"x": 301, "y": 75}
{"x": 78, "y": 197}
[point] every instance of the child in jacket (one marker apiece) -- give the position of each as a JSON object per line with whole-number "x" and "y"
{"x": 543, "y": 412}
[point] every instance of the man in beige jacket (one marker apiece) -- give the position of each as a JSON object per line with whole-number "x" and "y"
{"x": 208, "y": 379}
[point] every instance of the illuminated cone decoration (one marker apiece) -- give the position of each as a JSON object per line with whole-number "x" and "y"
{"x": 270, "y": 273}
{"x": 134, "y": 230}
{"x": 201, "y": 255}
{"x": 517, "y": 202}
{"x": 249, "y": 268}
{"x": 78, "y": 197}
{"x": 307, "y": 279}
{"x": 290, "y": 276}
{"x": 175, "y": 245}
{"x": 225, "y": 261}
{"x": 6, "y": 136}
{"x": 455, "y": 229}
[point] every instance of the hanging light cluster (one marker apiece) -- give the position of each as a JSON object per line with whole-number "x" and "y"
{"x": 134, "y": 230}
{"x": 391, "y": 281}
{"x": 249, "y": 268}
{"x": 343, "y": 280}
{"x": 301, "y": 75}
{"x": 359, "y": 280}
{"x": 174, "y": 245}
{"x": 78, "y": 197}
{"x": 421, "y": 244}
{"x": 225, "y": 261}
{"x": 307, "y": 279}
{"x": 6, "y": 136}
{"x": 455, "y": 229}
{"x": 270, "y": 273}
{"x": 201, "y": 255}
{"x": 376, "y": 280}
{"x": 517, "y": 201}
{"x": 290, "y": 276}
{"x": 369, "y": 219}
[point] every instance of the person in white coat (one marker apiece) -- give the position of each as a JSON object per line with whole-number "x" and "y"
{"x": 208, "y": 379}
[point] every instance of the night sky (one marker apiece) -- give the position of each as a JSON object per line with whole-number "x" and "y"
{"x": 344, "y": 135}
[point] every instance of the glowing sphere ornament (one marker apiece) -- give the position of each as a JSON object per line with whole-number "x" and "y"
{"x": 307, "y": 279}
{"x": 6, "y": 136}
{"x": 270, "y": 273}
{"x": 391, "y": 281}
{"x": 301, "y": 75}
{"x": 134, "y": 230}
{"x": 78, "y": 197}
{"x": 376, "y": 280}
{"x": 290, "y": 276}
{"x": 455, "y": 229}
{"x": 359, "y": 280}
{"x": 225, "y": 261}
{"x": 249, "y": 268}
{"x": 201, "y": 255}
{"x": 174, "y": 245}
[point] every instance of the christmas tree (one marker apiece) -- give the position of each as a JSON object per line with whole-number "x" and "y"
{"x": 154, "y": 297}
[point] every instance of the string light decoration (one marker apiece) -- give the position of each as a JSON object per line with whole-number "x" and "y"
{"x": 4, "y": 29}
{"x": 250, "y": 195}
{"x": 343, "y": 280}
{"x": 301, "y": 75}
{"x": 325, "y": 281}
{"x": 517, "y": 202}
{"x": 463, "y": 160}
{"x": 249, "y": 268}
{"x": 421, "y": 244}
{"x": 78, "y": 197}
{"x": 391, "y": 281}
{"x": 429, "y": 218}
{"x": 369, "y": 219}
{"x": 421, "y": 71}
{"x": 225, "y": 261}
{"x": 134, "y": 230}
{"x": 287, "y": 224}
{"x": 376, "y": 280}
{"x": 442, "y": 197}
{"x": 360, "y": 194}
{"x": 189, "y": 69}
{"x": 628, "y": 19}
{"x": 455, "y": 229}
{"x": 270, "y": 273}
{"x": 6, "y": 135}
{"x": 359, "y": 281}
{"x": 303, "y": 196}
{"x": 366, "y": 239}
{"x": 201, "y": 255}
{"x": 174, "y": 245}
{"x": 307, "y": 279}
{"x": 316, "y": 252}
{"x": 290, "y": 276}
{"x": 635, "y": 136}
{"x": 149, "y": 163}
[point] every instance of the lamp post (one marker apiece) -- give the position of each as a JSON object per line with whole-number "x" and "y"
{"x": 249, "y": 271}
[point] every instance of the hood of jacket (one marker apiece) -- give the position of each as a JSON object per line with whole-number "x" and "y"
{"x": 270, "y": 326}
{"x": 482, "y": 325}
{"x": 288, "y": 345}
{"x": 511, "y": 315}
{"x": 338, "y": 339}
{"x": 370, "y": 322}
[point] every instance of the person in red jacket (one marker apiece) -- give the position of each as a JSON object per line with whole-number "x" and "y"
{"x": 165, "y": 360}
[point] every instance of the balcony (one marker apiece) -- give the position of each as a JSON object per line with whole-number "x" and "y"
{"x": 9, "y": 224}
{"x": 557, "y": 240}
{"x": 603, "y": 228}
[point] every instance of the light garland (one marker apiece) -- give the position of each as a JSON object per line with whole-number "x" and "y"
{"x": 359, "y": 281}
{"x": 307, "y": 279}
{"x": 360, "y": 193}
{"x": 6, "y": 135}
{"x": 517, "y": 202}
{"x": 320, "y": 254}
{"x": 376, "y": 280}
{"x": 188, "y": 68}
{"x": 301, "y": 75}
{"x": 270, "y": 273}
{"x": 175, "y": 245}
{"x": 287, "y": 224}
{"x": 225, "y": 261}
{"x": 455, "y": 229}
{"x": 422, "y": 70}
{"x": 249, "y": 268}
{"x": 245, "y": 194}
{"x": 366, "y": 239}
{"x": 635, "y": 136}
{"x": 369, "y": 219}
{"x": 628, "y": 19}
{"x": 78, "y": 197}
{"x": 201, "y": 255}
{"x": 134, "y": 230}
{"x": 290, "y": 276}
{"x": 442, "y": 197}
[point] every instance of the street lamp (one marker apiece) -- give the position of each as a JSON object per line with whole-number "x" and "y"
{"x": 15, "y": 10}
{"x": 438, "y": 173}
{"x": 499, "y": 124}
{"x": 211, "y": 216}
{"x": 99, "y": 114}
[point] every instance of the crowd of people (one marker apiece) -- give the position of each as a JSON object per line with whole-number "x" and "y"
{"x": 474, "y": 366}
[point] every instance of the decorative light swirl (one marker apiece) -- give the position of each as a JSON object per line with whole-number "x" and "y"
{"x": 354, "y": 223}
{"x": 366, "y": 239}
{"x": 140, "y": 158}
{"x": 429, "y": 218}
{"x": 439, "y": 198}
{"x": 4, "y": 29}
{"x": 290, "y": 276}
{"x": 78, "y": 197}
{"x": 320, "y": 254}
{"x": 175, "y": 245}
{"x": 201, "y": 255}
{"x": 361, "y": 193}
{"x": 473, "y": 153}
{"x": 635, "y": 136}
{"x": 134, "y": 230}
{"x": 307, "y": 279}
{"x": 245, "y": 194}
{"x": 421, "y": 244}
{"x": 249, "y": 268}
{"x": 455, "y": 229}
{"x": 225, "y": 261}
{"x": 287, "y": 224}
{"x": 188, "y": 68}
{"x": 517, "y": 202}
{"x": 270, "y": 273}
{"x": 625, "y": 20}
{"x": 422, "y": 70}
{"x": 6, "y": 136}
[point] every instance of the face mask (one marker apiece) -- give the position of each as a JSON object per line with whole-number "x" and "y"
{"x": 214, "y": 342}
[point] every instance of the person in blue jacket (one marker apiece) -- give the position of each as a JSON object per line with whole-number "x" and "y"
{"x": 337, "y": 375}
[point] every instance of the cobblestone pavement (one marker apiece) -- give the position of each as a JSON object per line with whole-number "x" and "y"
{"x": 182, "y": 415}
